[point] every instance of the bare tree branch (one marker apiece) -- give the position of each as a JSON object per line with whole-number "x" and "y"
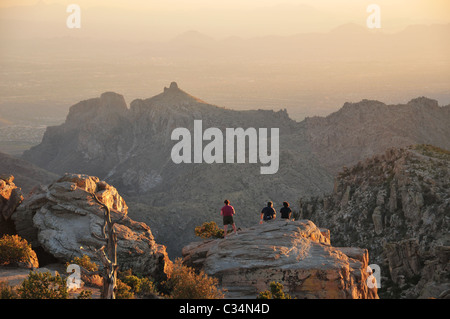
{"x": 108, "y": 253}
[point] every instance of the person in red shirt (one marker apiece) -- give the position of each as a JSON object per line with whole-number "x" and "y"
{"x": 227, "y": 213}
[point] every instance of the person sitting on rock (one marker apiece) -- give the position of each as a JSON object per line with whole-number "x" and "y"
{"x": 227, "y": 213}
{"x": 268, "y": 213}
{"x": 286, "y": 211}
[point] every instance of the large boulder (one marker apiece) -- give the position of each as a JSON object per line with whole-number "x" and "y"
{"x": 297, "y": 254}
{"x": 64, "y": 216}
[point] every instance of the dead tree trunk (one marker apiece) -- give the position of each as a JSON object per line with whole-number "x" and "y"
{"x": 108, "y": 253}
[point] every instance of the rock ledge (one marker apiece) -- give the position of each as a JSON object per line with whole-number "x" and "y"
{"x": 297, "y": 254}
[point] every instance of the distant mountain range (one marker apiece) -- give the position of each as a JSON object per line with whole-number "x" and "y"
{"x": 130, "y": 148}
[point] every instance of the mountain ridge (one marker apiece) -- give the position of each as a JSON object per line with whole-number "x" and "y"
{"x": 130, "y": 149}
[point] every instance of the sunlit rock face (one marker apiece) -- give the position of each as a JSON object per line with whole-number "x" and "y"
{"x": 64, "y": 217}
{"x": 296, "y": 254}
{"x": 10, "y": 197}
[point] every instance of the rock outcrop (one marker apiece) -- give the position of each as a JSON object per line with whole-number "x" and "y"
{"x": 364, "y": 129}
{"x": 10, "y": 197}
{"x": 63, "y": 217}
{"x": 295, "y": 253}
{"x": 397, "y": 205}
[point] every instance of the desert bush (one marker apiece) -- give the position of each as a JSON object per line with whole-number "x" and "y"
{"x": 85, "y": 294}
{"x": 275, "y": 292}
{"x": 142, "y": 286}
{"x": 43, "y": 286}
{"x": 147, "y": 288}
{"x": 123, "y": 291}
{"x": 6, "y": 291}
{"x": 85, "y": 262}
{"x": 185, "y": 283}
{"x": 209, "y": 230}
{"x": 134, "y": 282}
{"x": 14, "y": 249}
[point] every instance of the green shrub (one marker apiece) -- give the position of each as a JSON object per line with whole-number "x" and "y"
{"x": 123, "y": 291}
{"x": 142, "y": 286}
{"x": 14, "y": 249}
{"x": 185, "y": 283}
{"x": 133, "y": 282}
{"x": 85, "y": 262}
{"x": 43, "y": 286}
{"x": 209, "y": 230}
{"x": 6, "y": 291}
{"x": 85, "y": 294}
{"x": 275, "y": 292}
{"x": 147, "y": 287}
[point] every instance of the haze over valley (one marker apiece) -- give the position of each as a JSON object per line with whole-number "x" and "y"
{"x": 305, "y": 57}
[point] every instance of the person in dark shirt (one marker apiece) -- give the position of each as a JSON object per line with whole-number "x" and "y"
{"x": 227, "y": 213}
{"x": 268, "y": 213}
{"x": 286, "y": 211}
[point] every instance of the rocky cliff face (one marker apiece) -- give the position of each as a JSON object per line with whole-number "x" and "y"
{"x": 397, "y": 205}
{"x": 10, "y": 196}
{"x": 130, "y": 148}
{"x": 295, "y": 253}
{"x": 63, "y": 217}
{"x": 367, "y": 128}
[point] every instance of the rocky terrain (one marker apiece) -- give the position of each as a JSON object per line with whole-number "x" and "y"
{"x": 129, "y": 147}
{"x": 64, "y": 216}
{"x": 296, "y": 254}
{"x": 396, "y": 205}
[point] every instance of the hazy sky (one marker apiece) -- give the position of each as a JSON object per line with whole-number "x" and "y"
{"x": 220, "y": 18}
{"x": 72, "y": 64}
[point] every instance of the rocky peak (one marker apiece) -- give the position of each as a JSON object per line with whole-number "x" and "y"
{"x": 362, "y": 104}
{"x": 173, "y": 87}
{"x": 172, "y": 108}
{"x": 113, "y": 101}
{"x": 424, "y": 102}
{"x": 103, "y": 109}
{"x": 369, "y": 127}
{"x": 174, "y": 96}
